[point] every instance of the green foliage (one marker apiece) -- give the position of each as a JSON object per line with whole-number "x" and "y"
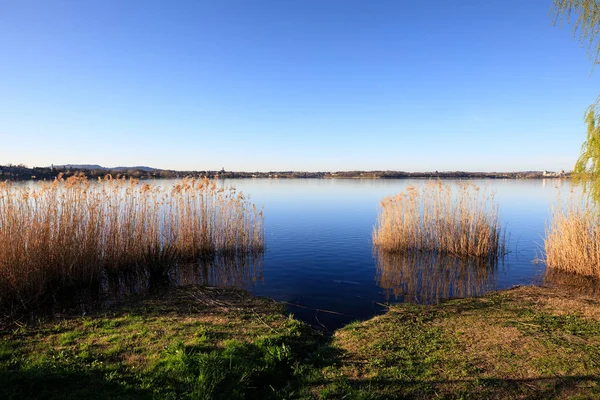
{"x": 587, "y": 168}
{"x": 585, "y": 17}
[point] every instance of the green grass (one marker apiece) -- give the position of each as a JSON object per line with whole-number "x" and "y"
{"x": 202, "y": 343}
{"x": 523, "y": 343}
{"x": 189, "y": 343}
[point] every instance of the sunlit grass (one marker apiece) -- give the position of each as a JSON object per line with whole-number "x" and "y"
{"x": 436, "y": 218}
{"x": 72, "y": 233}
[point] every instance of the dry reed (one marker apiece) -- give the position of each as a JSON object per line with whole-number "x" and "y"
{"x": 572, "y": 242}
{"x": 72, "y": 233}
{"x": 434, "y": 218}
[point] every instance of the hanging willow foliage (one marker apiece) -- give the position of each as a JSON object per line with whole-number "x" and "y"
{"x": 585, "y": 17}
{"x": 587, "y": 168}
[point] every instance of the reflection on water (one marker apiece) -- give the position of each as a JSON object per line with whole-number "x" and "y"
{"x": 574, "y": 283}
{"x": 424, "y": 277}
{"x": 239, "y": 271}
{"x": 320, "y": 252}
{"x": 229, "y": 271}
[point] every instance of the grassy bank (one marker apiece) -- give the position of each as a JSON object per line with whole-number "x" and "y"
{"x": 190, "y": 342}
{"x": 527, "y": 342}
{"x": 207, "y": 343}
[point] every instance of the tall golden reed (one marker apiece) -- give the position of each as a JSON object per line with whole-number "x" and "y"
{"x": 572, "y": 242}
{"x": 72, "y": 232}
{"x": 436, "y": 218}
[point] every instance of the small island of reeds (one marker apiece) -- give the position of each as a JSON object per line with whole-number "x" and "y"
{"x": 73, "y": 234}
{"x": 435, "y": 218}
{"x": 572, "y": 242}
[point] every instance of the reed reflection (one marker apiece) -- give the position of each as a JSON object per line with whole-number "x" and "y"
{"x": 571, "y": 282}
{"x": 426, "y": 277}
{"x": 219, "y": 270}
{"x": 222, "y": 270}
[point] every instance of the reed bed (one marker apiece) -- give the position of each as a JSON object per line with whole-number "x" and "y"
{"x": 572, "y": 242}
{"x": 429, "y": 277}
{"x": 75, "y": 233}
{"x": 435, "y": 218}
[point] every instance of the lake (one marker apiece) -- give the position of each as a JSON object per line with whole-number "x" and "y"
{"x": 320, "y": 260}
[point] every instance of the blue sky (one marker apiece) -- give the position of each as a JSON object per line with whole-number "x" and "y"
{"x": 292, "y": 85}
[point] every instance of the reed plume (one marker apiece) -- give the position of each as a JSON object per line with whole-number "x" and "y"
{"x": 434, "y": 218}
{"x": 572, "y": 242}
{"x": 72, "y": 233}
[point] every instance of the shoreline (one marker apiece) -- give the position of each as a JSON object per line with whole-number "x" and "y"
{"x": 23, "y": 173}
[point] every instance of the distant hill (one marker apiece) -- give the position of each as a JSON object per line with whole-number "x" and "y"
{"x": 80, "y": 166}
{"x": 137, "y": 167}
{"x": 96, "y": 166}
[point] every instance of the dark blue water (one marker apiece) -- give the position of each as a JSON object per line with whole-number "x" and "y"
{"x": 320, "y": 256}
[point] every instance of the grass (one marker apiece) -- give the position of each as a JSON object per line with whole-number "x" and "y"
{"x": 190, "y": 342}
{"x": 72, "y": 234}
{"x": 208, "y": 343}
{"x": 572, "y": 242}
{"x": 529, "y": 342}
{"x": 435, "y": 218}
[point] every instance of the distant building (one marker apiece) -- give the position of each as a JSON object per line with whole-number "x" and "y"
{"x": 552, "y": 174}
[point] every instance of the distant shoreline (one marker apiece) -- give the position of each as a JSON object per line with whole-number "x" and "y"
{"x": 23, "y": 173}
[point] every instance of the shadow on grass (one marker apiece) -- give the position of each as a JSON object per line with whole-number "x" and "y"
{"x": 488, "y": 388}
{"x": 272, "y": 367}
{"x": 54, "y": 382}
{"x": 270, "y": 356}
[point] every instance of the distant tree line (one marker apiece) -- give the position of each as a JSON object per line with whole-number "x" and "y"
{"x": 22, "y": 172}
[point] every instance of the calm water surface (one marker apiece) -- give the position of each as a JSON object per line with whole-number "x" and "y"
{"x": 320, "y": 258}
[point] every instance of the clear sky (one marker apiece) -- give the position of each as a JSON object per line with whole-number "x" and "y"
{"x": 292, "y": 85}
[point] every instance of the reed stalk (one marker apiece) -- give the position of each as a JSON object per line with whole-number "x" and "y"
{"x": 572, "y": 242}
{"x": 71, "y": 233}
{"x": 435, "y": 218}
